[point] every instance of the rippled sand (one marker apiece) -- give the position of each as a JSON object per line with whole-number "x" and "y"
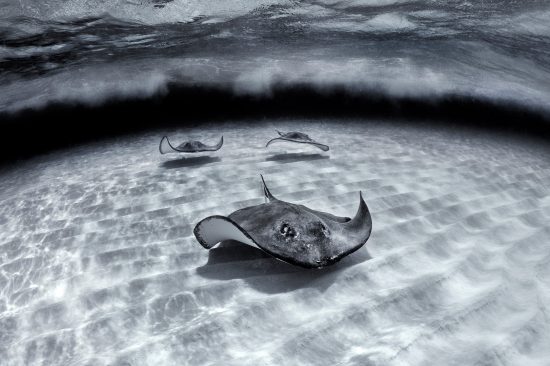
{"x": 99, "y": 266}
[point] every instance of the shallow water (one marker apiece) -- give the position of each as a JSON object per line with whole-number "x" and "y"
{"x": 99, "y": 266}
{"x": 98, "y": 263}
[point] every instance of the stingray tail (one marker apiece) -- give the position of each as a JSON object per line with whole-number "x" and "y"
{"x": 267, "y": 194}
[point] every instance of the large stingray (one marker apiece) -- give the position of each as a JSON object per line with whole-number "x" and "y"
{"x": 297, "y": 137}
{"x": 293, "y": 233}
{"x": 187, "y": 147}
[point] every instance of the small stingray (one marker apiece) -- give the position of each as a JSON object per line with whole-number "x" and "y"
{"x": 297, "y": 137}
{"x": 292, "y": 233}
{"x": 166, "y": 147}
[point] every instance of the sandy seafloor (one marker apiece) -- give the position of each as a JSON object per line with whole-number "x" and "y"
{"x": 99, "y": 266}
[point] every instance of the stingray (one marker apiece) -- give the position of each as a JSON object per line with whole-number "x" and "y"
{"x": 297, "y": 137}
{"x": 166, "y": 147}
{"x": 292, "y": 233}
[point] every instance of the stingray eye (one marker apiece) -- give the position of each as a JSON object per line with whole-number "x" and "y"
{"x": 287, "y": 231}
{"x": 318, "y": 229}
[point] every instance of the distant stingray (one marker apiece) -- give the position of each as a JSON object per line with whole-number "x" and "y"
{"x": 297, "y": 137}
{"x": 187, "y": 147}
{"x": 292, "y": 233}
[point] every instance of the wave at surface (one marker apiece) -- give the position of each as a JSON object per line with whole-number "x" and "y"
{"x": 142, "y": 11}
{"x": 394, "y": 77}
{"x": 496, "y": 50}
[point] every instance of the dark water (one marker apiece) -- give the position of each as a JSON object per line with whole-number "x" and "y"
{"x": 79, "y": 70}
{"x": 93, "y": 51}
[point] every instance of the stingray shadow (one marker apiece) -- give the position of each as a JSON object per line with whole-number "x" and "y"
{"x": 187, "y": 162}
{"x": 234, "y": 260}
{"x": 292, "y": 157}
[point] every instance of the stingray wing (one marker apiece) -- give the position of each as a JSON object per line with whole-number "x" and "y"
{"x": 215, "y": 229}
{"x": 215, "y": 147}
{"x": 326, "y": 215}
{"x": 166, "y": 147}
{"x": 316, "y": 144}
{"x": 211, "y": 147}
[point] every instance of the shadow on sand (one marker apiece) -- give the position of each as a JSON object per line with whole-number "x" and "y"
{"x": 293, "y": 157}
{"x": 234, "y": 260}
{"x": 186, "y": 162}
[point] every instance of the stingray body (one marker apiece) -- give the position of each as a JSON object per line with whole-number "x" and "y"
{"x": 293, "y": 233}
{"x": 298, "y": 137}
{"x": 187, "y": 147}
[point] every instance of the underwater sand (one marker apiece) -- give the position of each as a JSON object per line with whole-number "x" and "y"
{"x": 99, "y": 266}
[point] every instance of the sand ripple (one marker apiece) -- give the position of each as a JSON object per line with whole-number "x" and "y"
{"x": 98, "y": 265}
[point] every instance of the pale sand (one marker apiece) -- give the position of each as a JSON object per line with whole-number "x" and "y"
{"x": 98, "y": 264}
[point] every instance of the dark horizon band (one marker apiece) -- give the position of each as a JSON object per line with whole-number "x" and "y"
{"x": 62, "y": 125}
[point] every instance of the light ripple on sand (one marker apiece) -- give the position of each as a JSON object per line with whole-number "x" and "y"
{"x": 98, "y": 264}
